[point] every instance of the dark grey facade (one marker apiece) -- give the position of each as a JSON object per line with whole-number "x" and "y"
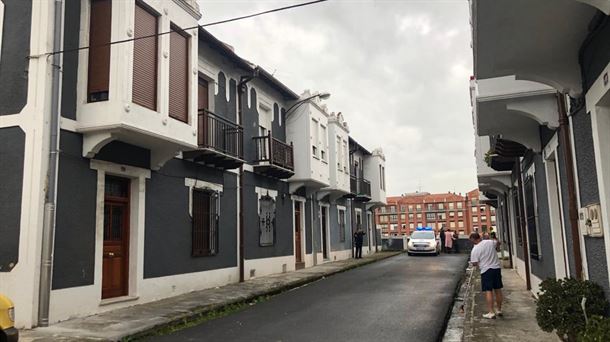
{"x": 12, "y": 151}
{"x": 167, "y": 246}
{"x": 14, "y": 61}
{"x": 74, "y": 256}
{"x": 283, "y": 244}
{"x": 70, "y": 59}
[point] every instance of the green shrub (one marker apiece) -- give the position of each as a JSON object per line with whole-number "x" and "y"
{"x": 597, "y": 330}
{"x": 559, "y": 306}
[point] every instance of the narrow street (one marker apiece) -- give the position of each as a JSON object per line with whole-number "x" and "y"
{"x": 403, "y": 298}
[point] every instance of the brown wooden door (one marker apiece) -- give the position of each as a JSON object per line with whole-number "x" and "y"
{"x": 297, "y": 233}
{"x": 115, "y": 269}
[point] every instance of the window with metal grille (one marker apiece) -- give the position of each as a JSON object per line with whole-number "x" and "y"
{"x": 144, "y": 86}
{"x": 266, "y": 219}
{"x": 341, "y": 213}
{"x": 531, "y": 214}
{"x": 99, "y": 50}
{"x": 205, "y": 223}
{"x": 178, "y": 74}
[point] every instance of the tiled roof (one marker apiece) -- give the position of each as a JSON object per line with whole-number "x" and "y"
{"x": 425, "y": 197}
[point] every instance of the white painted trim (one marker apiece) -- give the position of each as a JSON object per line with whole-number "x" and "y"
{"x": 327, "y": 207}
{"x": 301, "y": 201}
{"x": 137, "y": 207}
{"x": 193, "y": 183}
{"x": 583, "y": 246}
{"x": 267, "y": 266}
{"x": 555, "y": 215}
{"x": 261, "y": 192}
{"x": 1, "y": 25}
{"x": 600, "y": 129}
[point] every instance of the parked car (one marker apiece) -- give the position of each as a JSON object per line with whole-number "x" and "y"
{"x": 8, "y": 332}
{"x": 424, "y": 241}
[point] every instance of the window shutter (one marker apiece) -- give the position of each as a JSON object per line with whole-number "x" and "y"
{"x": 201, "y": 223}
{"x": 178, "y": 75}
{"x": 99, "y": 50}
{"x": 145, "y": 53}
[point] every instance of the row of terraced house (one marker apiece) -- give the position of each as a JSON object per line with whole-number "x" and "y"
{"x": 138, "y": 164}
{"x": 541, "y": 112}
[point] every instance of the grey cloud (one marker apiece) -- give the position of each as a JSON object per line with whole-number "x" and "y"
{"x": 398, "y": 70}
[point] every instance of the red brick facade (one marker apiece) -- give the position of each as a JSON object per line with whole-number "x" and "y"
{"x": 403, "y": 214}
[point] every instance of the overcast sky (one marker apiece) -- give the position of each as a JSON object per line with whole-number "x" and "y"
{"x": 398, "y": 70}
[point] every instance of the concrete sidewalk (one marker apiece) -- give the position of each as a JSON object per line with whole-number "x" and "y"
{"x": 519, "y": 308}
{"x": 146, "y": 318}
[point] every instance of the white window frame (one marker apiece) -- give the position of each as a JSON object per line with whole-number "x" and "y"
{"x": 1, "y": 25}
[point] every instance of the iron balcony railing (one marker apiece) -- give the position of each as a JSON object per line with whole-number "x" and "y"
{"x": 220, "y": 134}
{"x": 360, "y": 186}
{"x": 274, "y": 151}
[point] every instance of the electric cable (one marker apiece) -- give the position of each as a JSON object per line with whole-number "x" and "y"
{"x": 47, "y": 54}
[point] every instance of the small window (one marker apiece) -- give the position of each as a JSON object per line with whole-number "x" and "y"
{"x": 266, "y": 219}
{"x": 205, "y": 223}
{"x": 178, "y": 74}
{"x": 531, "y": 215}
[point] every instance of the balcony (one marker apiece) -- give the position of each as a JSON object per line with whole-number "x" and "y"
{"x": 220, "y": 142}
{"x": 274, "y": 158}
{"x": 360, "y": 189}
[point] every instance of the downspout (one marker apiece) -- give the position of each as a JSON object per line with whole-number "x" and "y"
{"x": 564, "y": 140}
{"x": 526, "y": 254}
{"x": 241, "y": 87}
{"x": 505, "y": 218}
{"x": 48, "y": 229}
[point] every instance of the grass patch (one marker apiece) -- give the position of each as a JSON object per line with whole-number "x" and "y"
{"x": 196, "y": 319}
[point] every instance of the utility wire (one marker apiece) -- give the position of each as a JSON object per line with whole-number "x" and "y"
{"x": 182, "y": 29}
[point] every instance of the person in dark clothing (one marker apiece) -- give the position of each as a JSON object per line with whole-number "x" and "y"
{"x": 358, "y": 240}
{"x": 442, "y": 234}
{"x": 455, "y": 241}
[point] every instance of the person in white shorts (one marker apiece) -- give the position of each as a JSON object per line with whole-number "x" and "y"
{"x": 484, "y": 255}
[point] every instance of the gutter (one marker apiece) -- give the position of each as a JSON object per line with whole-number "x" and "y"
{"x": 48, "y": 229}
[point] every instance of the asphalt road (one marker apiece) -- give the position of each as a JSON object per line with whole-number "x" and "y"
{"x": 403, "y": 298}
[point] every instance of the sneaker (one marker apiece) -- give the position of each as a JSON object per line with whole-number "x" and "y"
{"x": 499, "y": 313}
{"x": 489, "y": 315}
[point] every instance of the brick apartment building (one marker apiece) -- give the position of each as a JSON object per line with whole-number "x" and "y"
{"x": 464, "y": 213}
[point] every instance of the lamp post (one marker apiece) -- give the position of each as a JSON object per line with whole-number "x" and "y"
{"x": 322, "y": 96}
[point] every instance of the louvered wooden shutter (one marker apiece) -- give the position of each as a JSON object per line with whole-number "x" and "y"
{"x": 144, "y": 89}
{"x": 99, "y": 51}
{"x": 202, "y": 96}
{"x": 178, "y": 75}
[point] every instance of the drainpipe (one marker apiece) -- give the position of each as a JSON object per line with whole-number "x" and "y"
{"x": 564, "y": 140}
{"x": 48, "y": 229}
{"x": 526, "y": 253}
{"x": 241, "y": 87}
{"x": 314, "y": 253}
{"x": 505, "y": 219}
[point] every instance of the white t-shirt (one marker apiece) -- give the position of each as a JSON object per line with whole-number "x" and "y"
{"x": 484, "y": 253}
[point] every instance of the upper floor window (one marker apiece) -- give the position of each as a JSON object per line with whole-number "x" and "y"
{"x": 460, "y": 213}
{"x": 339, "y": 154}
{"x": 98, "y": 76}
{"x": 459, "y": 205}
{"x": 315, "y": 137}
{"x": 323, "y": 138}
{"x": 205, "y": 223}
{"x": 393, "y": 209}
{"x": 144, "y": 85}
{"x": 441, "y": 206}
{"x": 410, "y": 207}
{"x": 451, "y": 205}
{"x": 178, "y": 74}
{"x": 403, "y": 208}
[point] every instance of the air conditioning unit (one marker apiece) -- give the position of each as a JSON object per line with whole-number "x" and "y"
{"x": 590, "y": 220}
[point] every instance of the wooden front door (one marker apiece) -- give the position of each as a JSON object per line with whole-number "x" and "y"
{"x": 115, "y": 263}
{"x": 298, "y": 250}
